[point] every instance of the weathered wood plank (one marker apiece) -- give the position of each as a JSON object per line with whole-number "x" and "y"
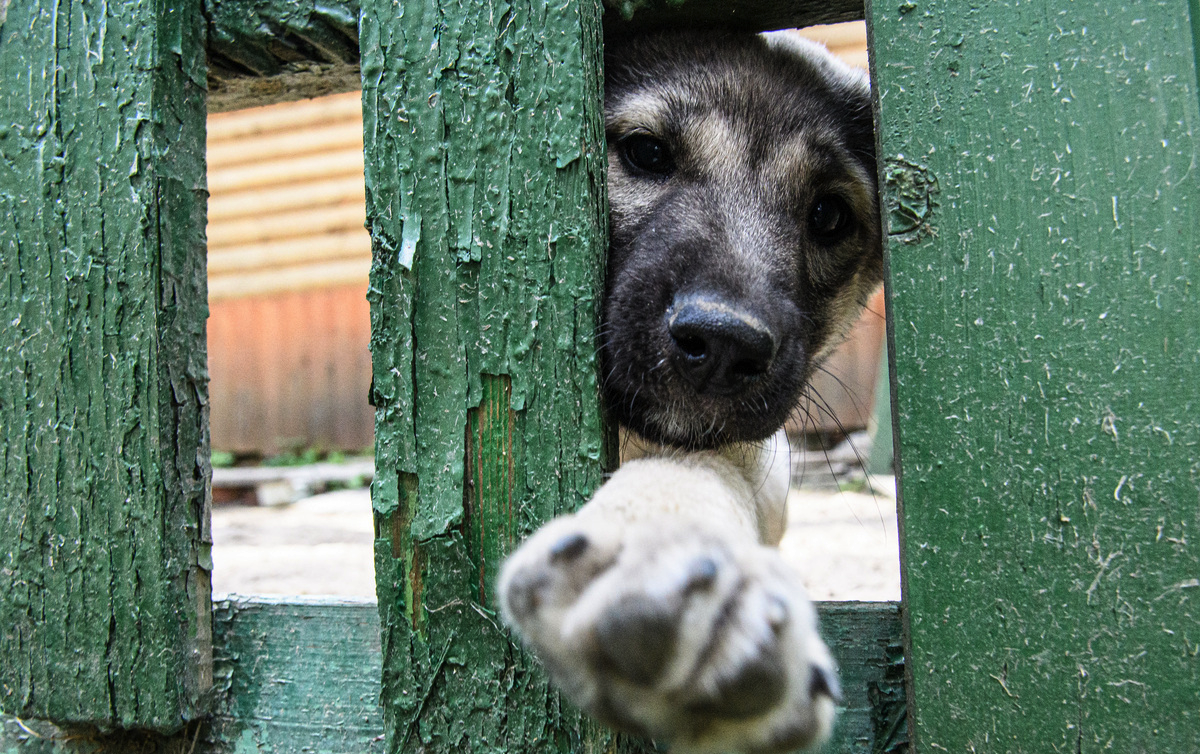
{"x": 754, "y": 15}
{"x": 303, "y": 676}
{"x": 865, "y": 640}
{"x": 291, "y": 676}
{"x": 485, "y": 203}
{"x": 1041, "y": 163}
{"x": 296, "y": 676}
{"x": 104, "y": 592}
{"x": 264, "y": 51}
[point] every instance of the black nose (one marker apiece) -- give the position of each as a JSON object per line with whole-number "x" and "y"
{"x": 719, "y": 348}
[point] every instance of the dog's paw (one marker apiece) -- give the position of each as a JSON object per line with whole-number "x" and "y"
{"x": 666, "y": 628}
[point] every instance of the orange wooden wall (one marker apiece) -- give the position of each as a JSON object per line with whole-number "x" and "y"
{"x": 288, "y": 259}
{"x": 291, "y": 369}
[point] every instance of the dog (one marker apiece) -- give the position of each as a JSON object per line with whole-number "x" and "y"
{"x": 745, "y": 239}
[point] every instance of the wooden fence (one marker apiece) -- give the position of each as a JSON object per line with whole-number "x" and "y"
{"x": 1038, "y": 161}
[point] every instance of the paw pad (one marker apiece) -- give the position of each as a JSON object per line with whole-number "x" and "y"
{"x": 637, "y": 637}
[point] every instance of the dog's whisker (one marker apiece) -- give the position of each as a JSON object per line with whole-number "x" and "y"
{"x": 852, "y": 394}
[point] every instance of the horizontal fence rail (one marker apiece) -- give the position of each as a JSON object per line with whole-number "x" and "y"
{"x": 297, "y": 675}
{"x": 280, "y": 50}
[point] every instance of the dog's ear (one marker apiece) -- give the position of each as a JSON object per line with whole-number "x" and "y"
{"x": 850, "y": 87}
{"x": 860, "y": 129}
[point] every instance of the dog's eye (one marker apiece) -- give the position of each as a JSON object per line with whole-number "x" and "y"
{"x": 646, "y": 153}
{"x": 830, "y": 219}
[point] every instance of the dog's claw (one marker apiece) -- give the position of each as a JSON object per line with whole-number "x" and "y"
{"x": 703, "y": 574}
{"x": 824, "y": 681}
{"x": 568, "y": 548}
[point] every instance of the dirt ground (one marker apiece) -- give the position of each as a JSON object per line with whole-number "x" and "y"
{"x": 844, "y": 545}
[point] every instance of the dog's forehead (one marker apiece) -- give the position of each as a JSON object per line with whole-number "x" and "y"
{"x": 780, "y": 73}
{"x": 773, "y": 104}
{"x": 734, "y": 101}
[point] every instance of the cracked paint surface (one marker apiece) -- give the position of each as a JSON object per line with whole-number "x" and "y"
{"x": 103, "y": 527}
{"x": 485, "y": 175}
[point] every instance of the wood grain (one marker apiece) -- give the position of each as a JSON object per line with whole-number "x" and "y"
{"x": 1040, "y": 164}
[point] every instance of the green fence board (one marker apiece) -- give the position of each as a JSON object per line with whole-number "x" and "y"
{"x": 1040, "y": 159}
{"x": 295, "y": 675}
{"x": 104, "y": 592}
{"x": 485, "y": 204}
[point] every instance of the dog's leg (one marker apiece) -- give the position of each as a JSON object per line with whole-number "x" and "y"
{"x": 659, "y": 609}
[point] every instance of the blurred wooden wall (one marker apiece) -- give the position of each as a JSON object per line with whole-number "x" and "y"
{"x": 288, "y": 260}
{"x": 287, "y": 274}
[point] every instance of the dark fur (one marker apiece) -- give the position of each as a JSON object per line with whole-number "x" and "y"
{"x": 738, "y": 236}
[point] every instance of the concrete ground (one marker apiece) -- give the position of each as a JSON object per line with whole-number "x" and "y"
{"x": 844, "y": 545}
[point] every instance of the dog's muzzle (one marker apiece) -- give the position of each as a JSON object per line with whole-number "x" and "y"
{"x": 718, "y": 348}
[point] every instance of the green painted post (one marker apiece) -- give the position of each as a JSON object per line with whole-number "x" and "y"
{"x": 104, "y": 590}
{"x": 485, "y": 200}
{"x": 1041, "y": 162}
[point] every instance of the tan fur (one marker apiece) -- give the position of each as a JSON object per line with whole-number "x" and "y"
{"x": 646, "y": 528}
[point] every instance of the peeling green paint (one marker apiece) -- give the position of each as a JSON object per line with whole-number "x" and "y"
{"x": 265, "y": 51}
{"x": 297, "y": 675}
{"x": 909, "y": 189}
{"x": 505, "y": 249}
{"x": 259, "y": 38}
{"x": 300, "y": 675}
{"x": 484, "y": 153}
{"x": 104, "y": 595}
{"x": 303, "y": 676}
{"x": 1047, "y": 372}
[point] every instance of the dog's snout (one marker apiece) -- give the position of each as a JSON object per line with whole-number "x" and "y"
{"x": 718, "y": 348}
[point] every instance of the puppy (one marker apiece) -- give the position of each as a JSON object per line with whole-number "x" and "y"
{"x": 745, "y": 239}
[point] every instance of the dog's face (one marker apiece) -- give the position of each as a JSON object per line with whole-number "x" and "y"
{"x": 744, "y": 225}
